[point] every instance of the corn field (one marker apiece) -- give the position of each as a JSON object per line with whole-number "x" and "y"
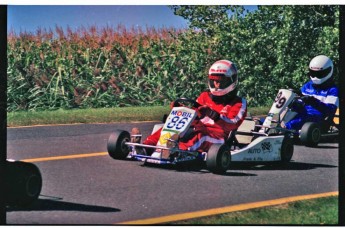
{"x": 91, "y": 68}
{"x": 117, "y": 67}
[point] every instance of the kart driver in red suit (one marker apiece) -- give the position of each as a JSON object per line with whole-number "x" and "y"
{"x": 220, "y": 111}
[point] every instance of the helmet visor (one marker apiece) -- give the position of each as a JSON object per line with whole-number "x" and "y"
{"x": 221, "y": 81}
{"x": 320, "y": 73}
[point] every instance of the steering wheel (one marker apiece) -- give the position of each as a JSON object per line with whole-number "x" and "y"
{"x": 180, "y": 101}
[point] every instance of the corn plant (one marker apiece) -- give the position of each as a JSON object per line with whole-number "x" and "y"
{"x": 106, "y": 68}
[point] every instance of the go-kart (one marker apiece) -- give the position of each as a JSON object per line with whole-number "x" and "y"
{"x": 242, "y": 145}
{"x": 311, "y": 133}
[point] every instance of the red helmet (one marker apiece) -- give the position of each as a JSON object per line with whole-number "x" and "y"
{"x": 223, "y": 72}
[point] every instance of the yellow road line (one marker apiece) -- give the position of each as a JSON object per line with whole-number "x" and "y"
{"x": 222, "y": 210}
{"x": 65, "y": 157}
{"x": 196, "y": 214}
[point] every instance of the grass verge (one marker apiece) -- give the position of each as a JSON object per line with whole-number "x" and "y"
{"x": 321, "y": 211}
{"x": 101, "y": 115}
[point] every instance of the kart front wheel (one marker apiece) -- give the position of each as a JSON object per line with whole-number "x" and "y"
{"x": 218, "y": 158}
{"x": 310, "y": 134}
{"x": 287, "y": 148}
{"x": 116, "y": 145}
{"x": 23, "y": 183}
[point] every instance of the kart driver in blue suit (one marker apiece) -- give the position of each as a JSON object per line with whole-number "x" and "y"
{"x": 319, "y": 95}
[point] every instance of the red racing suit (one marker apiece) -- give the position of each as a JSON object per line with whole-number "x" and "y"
{"x": 206, "y": 130}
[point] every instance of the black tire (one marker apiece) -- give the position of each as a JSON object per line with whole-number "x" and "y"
{"x": 23, "y": 183}
{"x": 116, "y": 144}
{"x": 218, "y": 158}
{"x": 310, "y": 134}
{"x": 287, "y": 149}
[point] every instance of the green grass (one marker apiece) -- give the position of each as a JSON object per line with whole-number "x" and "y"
{"x": 101, "y": 115}
{"x": 321, "y": 211}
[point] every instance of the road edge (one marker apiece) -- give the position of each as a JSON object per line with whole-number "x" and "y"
{"x": 228, "y": 209}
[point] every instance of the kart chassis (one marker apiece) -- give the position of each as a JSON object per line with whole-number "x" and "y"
{"x": 247, "y": 144}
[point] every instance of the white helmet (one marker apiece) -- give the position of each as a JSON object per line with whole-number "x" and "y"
{"x": 225, "y": 72}
{"x": 320, "y": 69}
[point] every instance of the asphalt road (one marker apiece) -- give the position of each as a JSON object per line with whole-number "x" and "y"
{"x": 85, "y": 189}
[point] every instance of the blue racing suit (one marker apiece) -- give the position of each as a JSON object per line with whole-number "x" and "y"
{"x": 319, "y": 102}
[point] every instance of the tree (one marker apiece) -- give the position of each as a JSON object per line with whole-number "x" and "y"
{"x": 272, "y": 46}
{"x": 209, "y": 19}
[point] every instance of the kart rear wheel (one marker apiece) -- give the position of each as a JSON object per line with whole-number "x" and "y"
{"x": 23, "y": 183}
{"x": 116, "y": 146}
{"x": 286, "y": 150}
{"x": 218, "y": 158}
{"x": 310, "y": 134}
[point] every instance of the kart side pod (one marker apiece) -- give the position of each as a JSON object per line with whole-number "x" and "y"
{"x": 277, "y": 148}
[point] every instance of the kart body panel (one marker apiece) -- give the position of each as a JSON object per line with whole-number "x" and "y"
{"x": 261, "y": 149}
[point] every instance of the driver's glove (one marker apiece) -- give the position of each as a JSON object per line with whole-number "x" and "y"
{"x": 207, "y": 111}
{"x": 297, "y": 105}
{"x": 213, "y": 114}
{"x": 310, "y": 100}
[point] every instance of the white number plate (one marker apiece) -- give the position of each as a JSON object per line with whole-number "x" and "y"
{"x": 178, "y": 122}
